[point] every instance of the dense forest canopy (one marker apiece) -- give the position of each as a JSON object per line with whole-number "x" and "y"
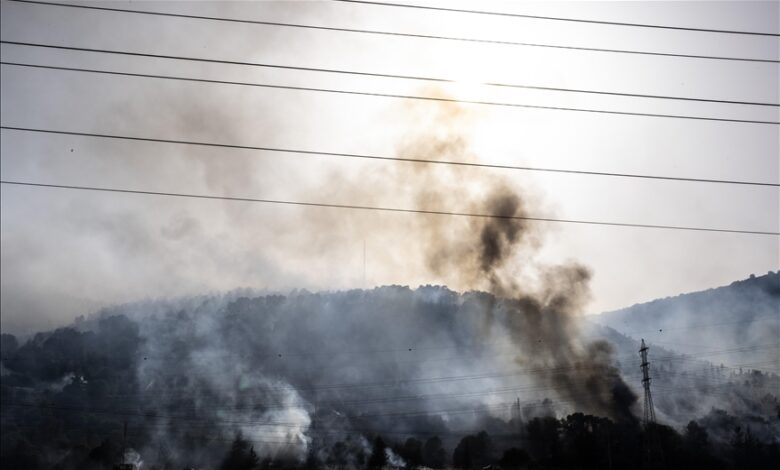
{"x": 364, "y": 379}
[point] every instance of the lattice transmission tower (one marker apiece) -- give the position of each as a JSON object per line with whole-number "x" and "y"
{"x": 649, "y": 416}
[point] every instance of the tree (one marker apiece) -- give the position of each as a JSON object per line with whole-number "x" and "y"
{"x": 746, "y": 449}
{"x": 378, "y": 457}
{"x": 412, "y": 453}
{"x": 338, "y": 456}
{"x": 697, "y": 448}
{"x": 473, "y": 452}
{"x": 312, "y": 462}
{"x": 8, "y": 345}
{"x": 23, "y": 455}
{"x": 105, "y": 454}
{"x": 241, "y": 456}
{"x": 433, "y": 453}
{"x": 514, "y": 458}
{"x": 696, "y": 438}
{"x": 585, "y": 439}
{"x": 544, "y": 438}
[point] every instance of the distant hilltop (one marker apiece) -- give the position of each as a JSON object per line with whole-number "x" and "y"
{"x": 743, "y": 315}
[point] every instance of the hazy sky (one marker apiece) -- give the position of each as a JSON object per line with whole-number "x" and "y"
{"x": 69, "y": 252}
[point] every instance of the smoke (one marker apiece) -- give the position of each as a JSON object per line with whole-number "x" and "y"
{"x": 484, "y": 253}
{"x": 319, "y": 375}
{"x": 227, "y": 393}
{"x": 133, "y": 458}
{"x": 531, "y": 317}
{"x": 270, "y": 368}
{"x": 287, "y": 350}
{"x": 394, "y": 459}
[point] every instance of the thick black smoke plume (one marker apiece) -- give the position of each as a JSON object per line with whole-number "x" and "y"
{"x": 488, "y": 253}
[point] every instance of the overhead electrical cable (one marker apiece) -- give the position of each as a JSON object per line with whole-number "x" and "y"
{"x": 710, "y": 384}
{"x": 713, "y": 388}
{"x": 696, "y": 379}
{"x": 397, "y": 33}
{"x": 685, "y": 375}
{"x": 255, "y": 422}
{"x": 384, "y": 158}
{"x": 383, "y": 209}
{"x": 558, "y": 18}
{"x": 380, "y": 95}
{"x": 548, "y": 371}
{"x": 412, "y": 77}
{"x": 265, "y": 434}
{"x": 132, "y": 411}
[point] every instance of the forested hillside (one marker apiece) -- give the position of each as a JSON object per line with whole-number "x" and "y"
{"x": 391, "y": 376}
{"x": 743, "y": 317}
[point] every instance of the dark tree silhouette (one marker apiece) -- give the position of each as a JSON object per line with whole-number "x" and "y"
{"x": 544, "y": 438}
{"x": 23, "y": 455}
{"x": 8, "y": 345}
{"x": 338, "y": 456}
{"x": 241, "y": 456}
{"x": 433, "y": 453}
{"x": 312, "y": 462}
{"x": 473, "y": 452}
{"x": 50, "y": 376}
{"x": 412, "y": 453}
{"x": 749, "y": 452}
{"x": 514, "y": 458}
{"x": 378, "y": 458}
{"x": 696, "y": 438}
{"x": 697, "y": 448}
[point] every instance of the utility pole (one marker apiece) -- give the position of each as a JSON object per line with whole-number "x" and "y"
{"x": 649, "y": 416}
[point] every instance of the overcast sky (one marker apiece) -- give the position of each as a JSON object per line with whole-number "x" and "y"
{"x": 68, "y": 252}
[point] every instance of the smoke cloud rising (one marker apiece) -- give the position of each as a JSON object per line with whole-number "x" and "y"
{"x": 531, "y": 315}
{"x": 303, "y": 372}
{"x": 483, "y": 253}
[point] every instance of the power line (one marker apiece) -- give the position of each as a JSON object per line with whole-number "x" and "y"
{"x": 556, "y": 18}
{"x": 154, "y": 415}
{"x": 399, "y": 34}
{"x": 417, "y": 78}
{"x": 254, "y": 422}
{"x": 712, "y": 389}
{"x": 352, "y": 431}
{"x": 541, "y": 371}
{"x": 357, "y": 93}
{"x": 722, "y": 381}
{"x": 281, "y": 354}
{"x": 525, "y": 387}
{"x": 697, "y": 382}
{"x": 191, "y": 417}
{"x": 379, "y": 400}
{"x": 679, "y": 377}
{"x": 384, "y": 209}
{"x": 195, "y": 422}
{"x": 385, "y": 158}
{"x": 697, "y": 357}
{"x": 203, "y": 422}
